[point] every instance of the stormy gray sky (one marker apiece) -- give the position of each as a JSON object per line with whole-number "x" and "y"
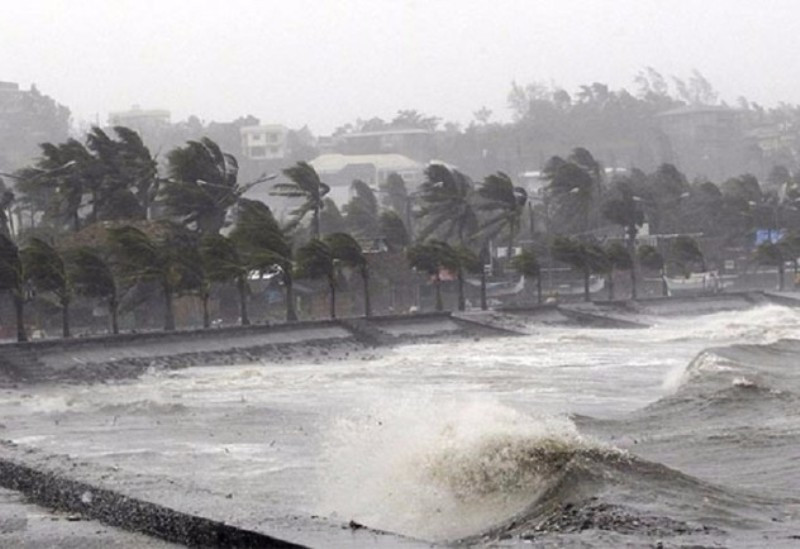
{"x": 327, "y": 62}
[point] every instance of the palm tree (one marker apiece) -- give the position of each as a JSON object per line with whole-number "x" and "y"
{"x": 431, "y": 257}
{"x": 773, "y": 255}
{"x": 393, "y": 231}
{"x": 573, "y": 190}
{"x": 619, "y": 259}
{"x": 467, "y": 261}
{"x": 395, "y": 196}
{"x": 304, "y": 183}
{"x": 203, "y": 185}
{"x": 447, "y": 207}
{"x": 46, "y": 269}
{"x": 93, "y": 276}
{"x": 361, "y": 212}
{"x": 685, "y": 253}
{"x": 166, "y": 260}
{"x": 623, "y": 210}
{"x": 264, "y": 246}
{"x": 224, "y": 263}
{"x": 650, "y": 258}
{"x": 527, "y": 264}
{"x": 315, "y": 260}
{"x": 6, "y": 200}
{"x": 12, "y": 279}
{"x": 586, "y": 257}
{"x": 507, "y": 202}
{"x": 346, "y": 249}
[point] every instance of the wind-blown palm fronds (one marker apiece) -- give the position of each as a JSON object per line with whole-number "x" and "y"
{"x": 304, "y": 183}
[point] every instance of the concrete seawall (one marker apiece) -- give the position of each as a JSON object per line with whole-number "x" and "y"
{"x": 128, "y": 355}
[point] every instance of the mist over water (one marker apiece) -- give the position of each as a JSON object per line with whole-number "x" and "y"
{"x": 685, "y": 430}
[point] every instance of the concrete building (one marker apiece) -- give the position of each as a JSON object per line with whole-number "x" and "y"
{"x": 143, "y": 121}
{"x": 264, "y": 142}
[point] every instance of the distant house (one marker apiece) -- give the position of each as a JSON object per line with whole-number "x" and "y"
{"x": 264, "y": 142}
{"x": 339, "y": 170}
{"x": 143, "y": 121}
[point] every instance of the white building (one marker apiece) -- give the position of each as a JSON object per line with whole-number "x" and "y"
{"x": 265, "y": 142}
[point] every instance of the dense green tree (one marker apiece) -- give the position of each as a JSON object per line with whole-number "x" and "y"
{"x": 447, "y": 204}
{"x": 305, "y": 184}
{"x": 47, "y": 270}
{"x": 12, "y": 279}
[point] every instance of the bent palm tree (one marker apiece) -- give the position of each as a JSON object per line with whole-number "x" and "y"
{"x": 623, "y": 210}
{"x": 93, "y": 276}
{"x": 506, "y": 202}
{"x": 46, "y": 269}
{"x": 304, "y": 183}
{"x": 447, "y": 208}
{"x": 315, "y": 260}
{"x": 12, "y": 279}
{"x": 527, "y": 264}
{"x": 223, "y": 263}
{"x": 203, "y": 185}
{"x": 431, "y": 257}
{"x": 264, "y": 246}
{"x": 650, "y": 258}
{"x": 346, "y": 249}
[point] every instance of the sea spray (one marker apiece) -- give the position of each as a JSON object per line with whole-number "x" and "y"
{"x": 440, "y": 469}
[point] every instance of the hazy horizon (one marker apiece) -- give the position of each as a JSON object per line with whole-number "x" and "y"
{"x": 326, "y": 63}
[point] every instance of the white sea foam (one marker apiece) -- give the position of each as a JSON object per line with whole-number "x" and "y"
{"x": 440, "y": 470}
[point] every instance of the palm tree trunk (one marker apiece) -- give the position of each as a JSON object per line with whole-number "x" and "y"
{"x": 204, "y": 297}
{"x": 664, "y": 287}
{"x": 462, "y": 302}
{"x": 65, "y": 331}
{"x": 169, "y": 314}
{"x": 437, "y": 283}
{"x": 291, "y": 313}
{"x": 113, "y": 308}
{"x": 332, "y": 286}
{"x": 539, "y": 288}
{"x": 780, "y": 275}
{"x": 484, "y": 305}
{"x": 19, "y": 310}
{"x": 586, "y": 275}
{"x": 315, "y": 230}
{"x": 241, "y": 286}
{"x": 632, "y": 253}
{"x": 367, "y": 304}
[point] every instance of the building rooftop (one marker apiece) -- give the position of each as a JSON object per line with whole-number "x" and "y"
{"x": 697, "y": 109}
{"x": 334, "y": 162}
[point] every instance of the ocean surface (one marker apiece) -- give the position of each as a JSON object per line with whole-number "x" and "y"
{"x": 686, "y": 433}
